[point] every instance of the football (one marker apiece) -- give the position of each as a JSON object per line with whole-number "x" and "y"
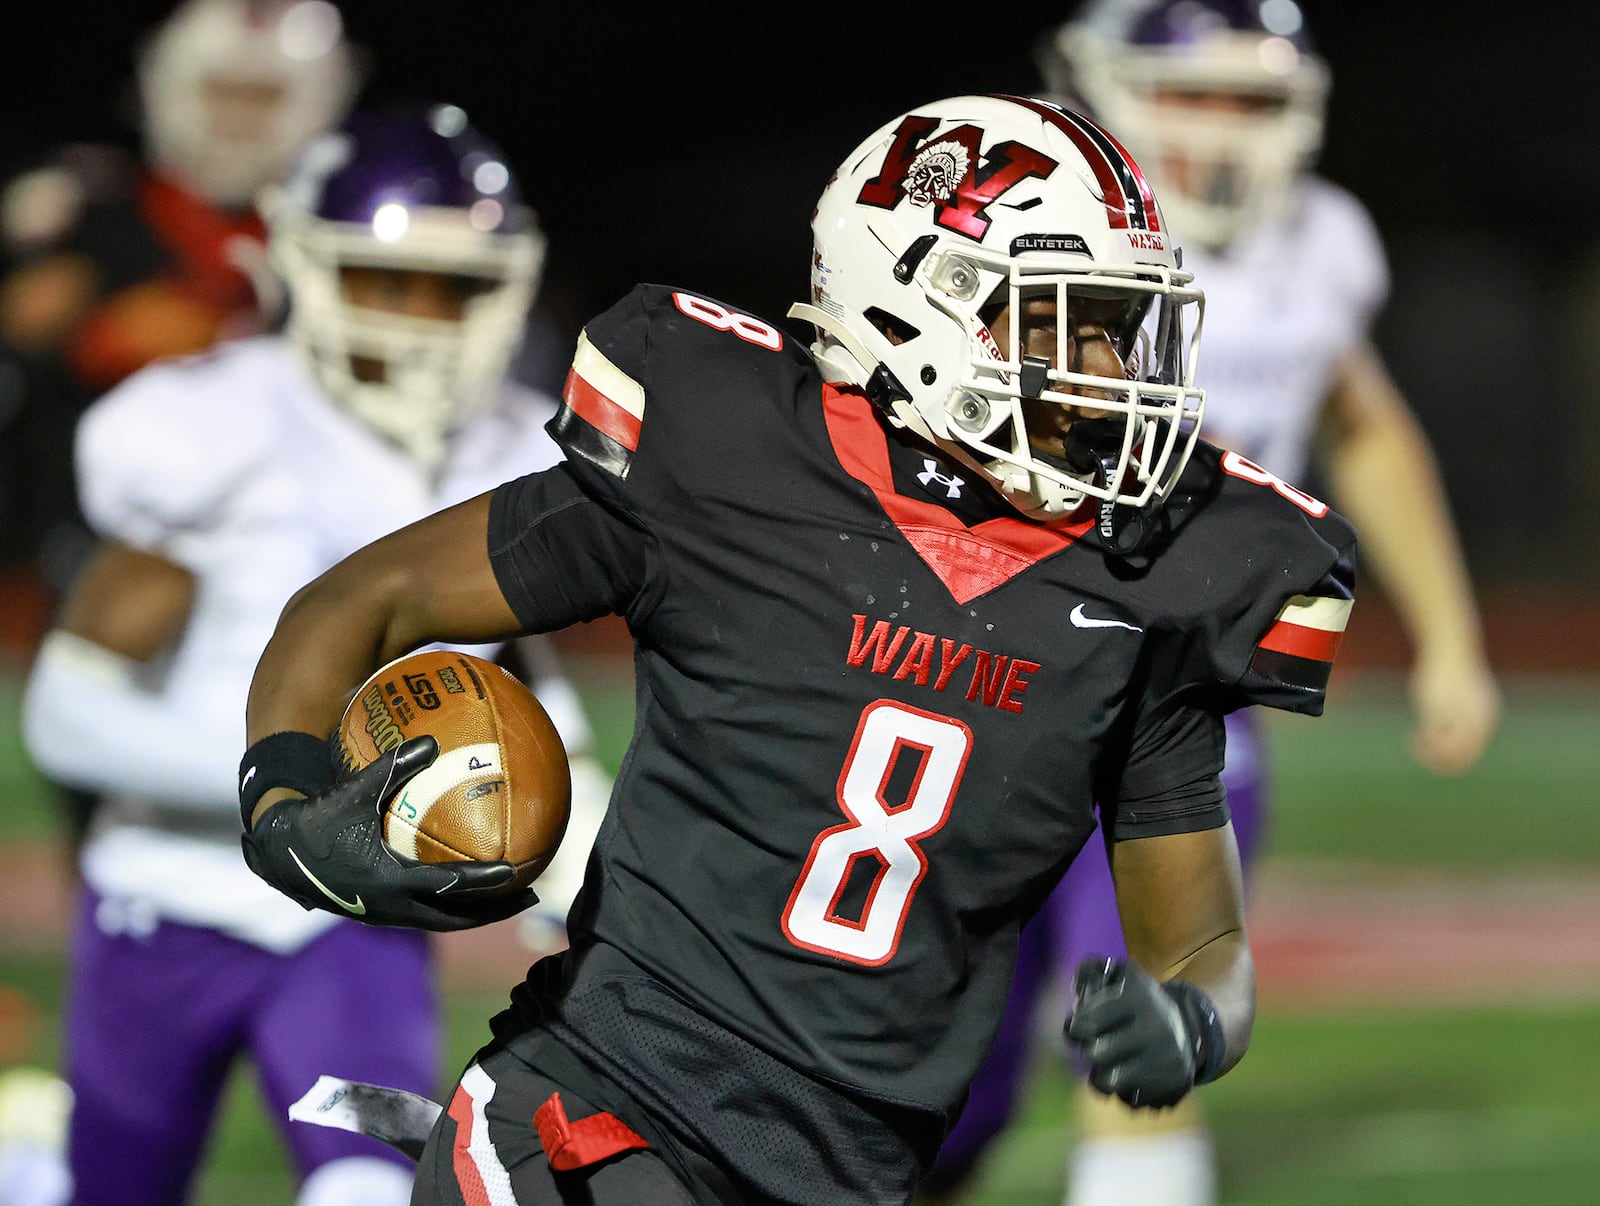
{"x": 500, "y": 788}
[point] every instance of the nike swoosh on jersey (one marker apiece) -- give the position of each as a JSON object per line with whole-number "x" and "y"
{"x": 1079, "y": 620}
{"x": 355, "y": 909}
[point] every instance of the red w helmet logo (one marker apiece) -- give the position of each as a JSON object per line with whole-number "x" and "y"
{"x": 1130, "y": 205}
{"x": 950, "y": 173}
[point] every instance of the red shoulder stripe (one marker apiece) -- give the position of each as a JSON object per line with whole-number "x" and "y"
{"x": 600, "y": 412}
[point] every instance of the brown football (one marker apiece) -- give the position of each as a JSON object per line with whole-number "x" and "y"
{"x": 500, "y": 788}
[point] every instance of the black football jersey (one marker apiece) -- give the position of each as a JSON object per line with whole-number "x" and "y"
{"x": 876, "y": 708}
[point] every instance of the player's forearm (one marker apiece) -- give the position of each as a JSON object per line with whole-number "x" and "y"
{"x": 90, "y": 722}
{"x": 330, "y": 637}
{"x": 431, "y": 581}
{"x": 1181, "y": 899}
{"x": 1387, "y": 484}
{"x": 1224, "y": 970}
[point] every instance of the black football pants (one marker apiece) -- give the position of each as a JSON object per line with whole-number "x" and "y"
{"x": 486, "y": 1149}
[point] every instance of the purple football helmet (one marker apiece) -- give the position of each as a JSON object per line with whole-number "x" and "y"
{"x": 409, "y": 189}
{"x": 1222, "y": 101}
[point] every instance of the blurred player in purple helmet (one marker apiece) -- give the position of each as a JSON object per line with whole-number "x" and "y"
{"x": 110, "y": 260}
{"x": 219, "y": 484}
{"x": 1222, "y": 102}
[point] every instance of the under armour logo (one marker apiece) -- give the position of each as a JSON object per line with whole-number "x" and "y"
{"x": 930, "y": 474}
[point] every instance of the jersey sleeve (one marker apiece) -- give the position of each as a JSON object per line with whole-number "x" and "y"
{"x": 669, "y": 394}
{"x": 157, "y": 454}
{"x": 560, "y": 556}
{"x": 1167, "y": 774}
{"x": 601, "y": 418}
{"x": 1263, "y": 584}
{"x": 1279, "y": 600}
{"x": 1279, "y": 649}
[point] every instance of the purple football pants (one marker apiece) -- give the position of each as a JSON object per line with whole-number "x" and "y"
{"x": 155, "y": 1023}
{"x": 1080, "y": 919}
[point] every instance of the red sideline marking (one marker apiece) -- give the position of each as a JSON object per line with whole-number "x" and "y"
{"x": 1325, "y": 936}
{"x": 600, "y": 412}
{"x": 1299, "y": 641}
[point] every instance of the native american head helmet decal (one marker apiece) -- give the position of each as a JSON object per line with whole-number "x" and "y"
{"x": 965, "y": 209}
{"x": 937, "y": 171}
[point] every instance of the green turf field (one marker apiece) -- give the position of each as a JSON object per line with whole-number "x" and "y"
{"x": 1468, "y": 1104}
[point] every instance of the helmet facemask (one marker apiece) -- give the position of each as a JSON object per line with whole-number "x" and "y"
{"x": 412, "y": 379}
{"x": 1100, "y": 406}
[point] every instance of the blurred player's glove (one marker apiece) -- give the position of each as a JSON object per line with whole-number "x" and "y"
{"x": 328, "y": 852}
{"x": 1147, "y": 1042}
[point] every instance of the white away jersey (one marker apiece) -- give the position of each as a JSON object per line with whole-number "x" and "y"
{"x": 1283, "y": 307}
{"x": 234, "y": 465}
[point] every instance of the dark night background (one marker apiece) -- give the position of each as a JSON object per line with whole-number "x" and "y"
{"x": 686, "y": 144}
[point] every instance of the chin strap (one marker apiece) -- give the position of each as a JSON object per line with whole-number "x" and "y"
{"x": 1128, "y": 532}
{"x": 851, "y": 367}
{"x": 1095, "y": 446}
{"x": 845, "y": 360}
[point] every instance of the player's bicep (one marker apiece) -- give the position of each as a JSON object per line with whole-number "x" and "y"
{"x": 129, "y": 601}
{"x": 1177, "y": 893}
{"x": 1172, "y": 849}
{"x": 437, "y": 578}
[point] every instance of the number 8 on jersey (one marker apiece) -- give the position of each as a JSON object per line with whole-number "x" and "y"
{"x": 879, "y": 830}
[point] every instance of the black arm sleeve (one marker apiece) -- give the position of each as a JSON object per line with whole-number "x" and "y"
{"x": 562, "y": 558}
{"x": 1170, "y": 781}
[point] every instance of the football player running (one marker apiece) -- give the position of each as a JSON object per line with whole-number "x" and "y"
{"x": 219, "y": 484}
{"x": 906, "y": 605}
{"x": 1222, "y": 101}
{"x": 111, "y": 264}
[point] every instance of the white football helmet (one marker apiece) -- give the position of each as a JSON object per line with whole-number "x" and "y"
{"x": 411, "y": 189}
{"x": 232, "y": 90}
{"x": 960, "y": 208}
{"x": 1219, "y": 166}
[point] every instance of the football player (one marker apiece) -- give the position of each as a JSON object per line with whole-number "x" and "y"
{"x": 109, "y": 261}
{"x": 1222, "y": 101}
{"x": 219, "y": 484}
{"x": 111, "y": 264}
{"x": 907, "y": 604}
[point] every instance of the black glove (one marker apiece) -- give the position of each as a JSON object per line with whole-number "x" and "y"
{"x": 328, "y": 852}
{"x": 1145, "y": 1041}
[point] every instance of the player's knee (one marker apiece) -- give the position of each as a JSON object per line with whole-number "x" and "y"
{"x": 357, "y": 1181}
